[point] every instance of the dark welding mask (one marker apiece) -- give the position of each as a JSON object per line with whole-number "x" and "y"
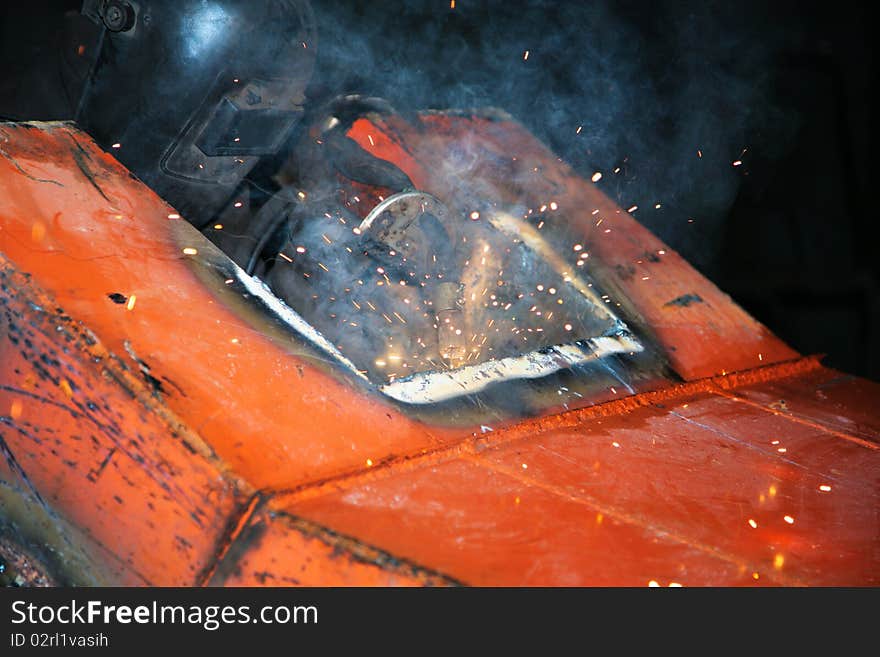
{"x": 190, "y": 94}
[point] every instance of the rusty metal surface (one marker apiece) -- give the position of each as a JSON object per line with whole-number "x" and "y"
{"x": 20, "y": 567}
{"x": 158, "y": 429}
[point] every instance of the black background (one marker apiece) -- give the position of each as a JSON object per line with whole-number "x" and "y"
{"x": 785, "y": 87}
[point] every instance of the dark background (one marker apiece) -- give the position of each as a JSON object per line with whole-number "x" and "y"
{"x": 784, "y": 87}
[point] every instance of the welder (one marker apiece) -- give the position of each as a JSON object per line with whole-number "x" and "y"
{"x": 206, "y": 103}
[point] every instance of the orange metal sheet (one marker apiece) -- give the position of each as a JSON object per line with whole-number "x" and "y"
{"x": 276, "y": 549}
{"x": 80, "y": 431}
{"x": 184, "y": 438}
{"x": 704, "y": 473}
{"x": 702, "y": 331}
{"x": 487, "y": 527}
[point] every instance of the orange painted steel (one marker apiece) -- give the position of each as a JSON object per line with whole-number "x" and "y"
{"x": 177, "y": 437}
{"x": 708, "y": 336}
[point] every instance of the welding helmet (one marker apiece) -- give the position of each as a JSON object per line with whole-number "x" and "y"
{"x": 190, "y": 94}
